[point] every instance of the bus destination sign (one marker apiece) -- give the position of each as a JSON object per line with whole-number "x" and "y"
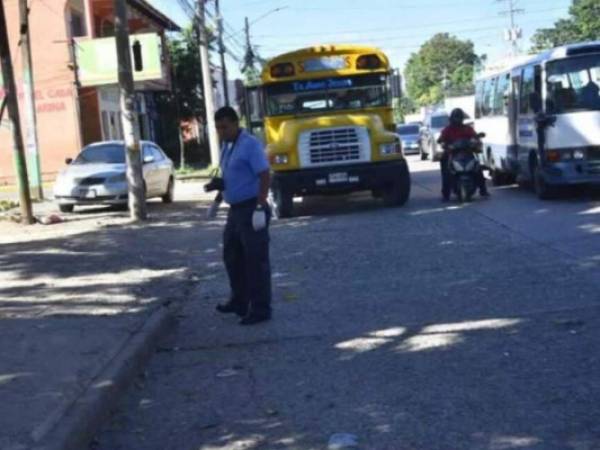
{"x": 322, "y": 85}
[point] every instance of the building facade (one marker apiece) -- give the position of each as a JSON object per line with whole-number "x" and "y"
{"x": 74, "y": 76}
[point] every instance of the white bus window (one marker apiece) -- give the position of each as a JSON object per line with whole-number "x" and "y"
{"x": 573, "y": 84}
{"x": 479, "y": 99}
{"x": 488, "y": 97}
{"x": 527, "y": 88}
{"x": 500, "y": 93}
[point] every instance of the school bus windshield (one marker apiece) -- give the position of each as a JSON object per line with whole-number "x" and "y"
{"x": 327, "y": 94}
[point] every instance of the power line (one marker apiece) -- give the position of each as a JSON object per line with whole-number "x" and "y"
{"x": 420, "y": 26}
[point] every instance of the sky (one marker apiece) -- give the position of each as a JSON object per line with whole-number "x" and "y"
{"x": 398, "y": 27}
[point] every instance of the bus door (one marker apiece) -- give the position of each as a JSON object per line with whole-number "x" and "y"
{"x": 254, "y": 111}
{"x": 530, "y": 94}
{"x": 513, "y": 126}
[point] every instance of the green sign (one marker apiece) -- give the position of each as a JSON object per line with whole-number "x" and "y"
{"x": 97, "y": 59}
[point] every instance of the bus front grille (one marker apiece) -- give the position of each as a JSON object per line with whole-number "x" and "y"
{"x": 329, "y": 146}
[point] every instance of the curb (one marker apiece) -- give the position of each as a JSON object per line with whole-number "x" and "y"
{"x": 81, "y": 421}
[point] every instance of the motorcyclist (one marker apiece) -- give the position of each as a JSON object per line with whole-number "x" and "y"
{"x": 455, "y": 131}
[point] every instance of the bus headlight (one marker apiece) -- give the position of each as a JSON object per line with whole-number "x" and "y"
{"x": 579, "y": 154}
{"x": 394, "y": 148}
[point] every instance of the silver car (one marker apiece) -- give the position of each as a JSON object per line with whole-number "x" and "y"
{"x": 411, "y": 138}
{"x": 430, "y": 133}
{"x": 98, "y": 176}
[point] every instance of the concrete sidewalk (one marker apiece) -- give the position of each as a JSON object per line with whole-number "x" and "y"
{"x": 81, "y": 304}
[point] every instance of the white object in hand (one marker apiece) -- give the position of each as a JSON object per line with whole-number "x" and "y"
{"x": 213, "y": 209}
{"x": 259, "y": 220}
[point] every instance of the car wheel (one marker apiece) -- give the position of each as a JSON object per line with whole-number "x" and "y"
{"x": 434, "y": 157}
{"x": 66, "y": 208}
{"x": 170, "y": 194}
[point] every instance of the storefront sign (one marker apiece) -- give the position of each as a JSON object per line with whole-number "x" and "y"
{"x": 97, "y": 59}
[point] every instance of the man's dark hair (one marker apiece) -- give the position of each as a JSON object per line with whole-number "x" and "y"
{"x": 227, "y": 112}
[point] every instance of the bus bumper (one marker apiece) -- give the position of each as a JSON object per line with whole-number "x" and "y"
{"x": 341, "y": 179}
{"x": 573, "y": 173}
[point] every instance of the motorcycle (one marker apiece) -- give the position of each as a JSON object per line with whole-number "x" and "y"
{"x": 465, "y": 167}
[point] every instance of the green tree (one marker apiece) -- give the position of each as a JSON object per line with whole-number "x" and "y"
{"x": 583, "y": 24}
{"x": 185, "y": 101}
{"x": 444, "y": 65}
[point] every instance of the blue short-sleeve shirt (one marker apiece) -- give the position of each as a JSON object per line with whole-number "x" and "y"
{"x": 241, "y": 165}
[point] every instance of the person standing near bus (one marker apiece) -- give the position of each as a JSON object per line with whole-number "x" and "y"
{"x": 246, "y": 176}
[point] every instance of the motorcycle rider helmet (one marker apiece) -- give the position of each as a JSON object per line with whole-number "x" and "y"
{"x": 457, "y": 117}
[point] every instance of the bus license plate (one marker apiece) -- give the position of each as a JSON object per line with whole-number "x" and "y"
{"x": 335, "y": 178}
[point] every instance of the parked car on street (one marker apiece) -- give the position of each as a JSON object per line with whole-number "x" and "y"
{"x": 97, "y": 176}
{"x": 430, "y": 133}
{"x": 411, "y": 138}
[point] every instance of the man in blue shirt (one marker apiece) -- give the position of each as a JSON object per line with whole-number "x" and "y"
{"x": 247, "y": 178}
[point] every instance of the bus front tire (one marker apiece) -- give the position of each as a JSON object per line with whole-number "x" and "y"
{"x": 543, "y": 190}
{"x": 397, "y": 193}
{"x": 283, "y": 203}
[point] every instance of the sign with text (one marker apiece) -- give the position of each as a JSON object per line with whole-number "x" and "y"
{"x": 98, "y": 65}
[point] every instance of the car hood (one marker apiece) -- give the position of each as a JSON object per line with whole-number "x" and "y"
{"x": 409, "y": 137}
{"x": 92, "y": 170}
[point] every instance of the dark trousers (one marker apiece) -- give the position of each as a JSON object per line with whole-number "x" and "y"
{"x": 446, "y": 175}
{"x": 447, "y": 178}
{"x": 246, "y": 256}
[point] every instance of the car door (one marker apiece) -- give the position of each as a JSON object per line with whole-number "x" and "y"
{"x": 164, "y": 169}
{"x": 150, "y": 171}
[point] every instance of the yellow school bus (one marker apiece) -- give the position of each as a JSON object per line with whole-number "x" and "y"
{"x": 329, "y": 126}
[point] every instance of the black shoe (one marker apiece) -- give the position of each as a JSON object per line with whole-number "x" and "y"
{"x": 445, "y": 199}
{"x": 253, "y": 319}
{"x": 484, "y": 193}
{"x": 231, "y": 308}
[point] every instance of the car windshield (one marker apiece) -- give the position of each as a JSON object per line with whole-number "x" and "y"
{"x": 574, "y": 84}
{"x": 408, "y": 130}
{"x": 332, "y": 94}
{"x": 439, "y": 121}
{"x": 102, "y": 154}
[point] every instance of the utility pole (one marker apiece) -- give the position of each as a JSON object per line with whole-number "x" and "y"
{"x": 137, "y": 195}
{"x": 249, "y": 59}
{"x": 514, "y": 33}
{"x": 209, "y": 107}
{"x": 222, "y": 52}
{"x": 12, "y": 105}
{"x": 28, "y": 83}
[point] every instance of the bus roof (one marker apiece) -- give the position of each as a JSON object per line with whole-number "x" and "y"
{"x": 547, "y": 55}
{"x": 307, "y": 53}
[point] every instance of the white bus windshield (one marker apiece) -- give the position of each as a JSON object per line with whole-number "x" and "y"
{"x": 574, "y": 84}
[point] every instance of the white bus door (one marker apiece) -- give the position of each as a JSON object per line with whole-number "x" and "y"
{"x": 528, "y": 154}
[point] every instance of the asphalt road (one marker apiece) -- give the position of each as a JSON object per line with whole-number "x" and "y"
{"x": 429, "y": 327}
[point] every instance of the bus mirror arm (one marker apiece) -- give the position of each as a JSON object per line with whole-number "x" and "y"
{"x": 544, "y": 120}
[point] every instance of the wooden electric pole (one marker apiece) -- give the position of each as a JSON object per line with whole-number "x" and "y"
{"x": 222, "y": 52}
{"x": 33, "y": 152}
{"x": 209, "y": 105}
{"x": 12, "y": 105}
{"x": 135, "y": 179}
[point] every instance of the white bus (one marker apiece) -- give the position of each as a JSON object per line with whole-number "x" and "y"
{"x": 541, "y": 117}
